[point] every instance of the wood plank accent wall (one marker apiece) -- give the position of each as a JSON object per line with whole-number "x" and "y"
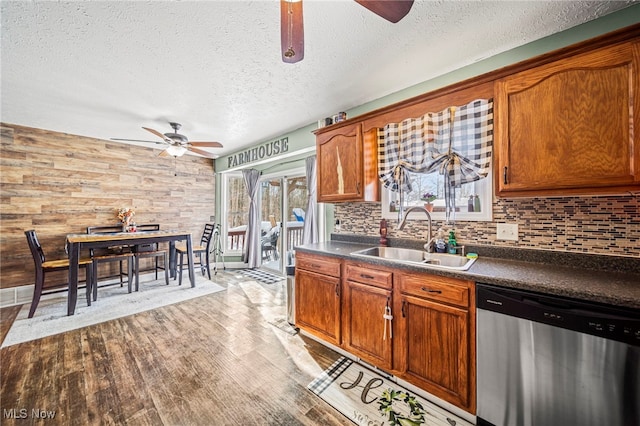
{"x": 57, "y": 183}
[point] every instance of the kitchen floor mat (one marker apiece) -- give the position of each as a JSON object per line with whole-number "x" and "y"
{"x": 262, "y": 276}
{"x": 366, "y": 397}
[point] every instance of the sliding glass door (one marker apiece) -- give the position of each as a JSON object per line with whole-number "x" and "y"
{"x": 283, "y": 201}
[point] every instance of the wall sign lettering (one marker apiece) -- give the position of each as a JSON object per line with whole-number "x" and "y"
{"x": 269, "y": 149}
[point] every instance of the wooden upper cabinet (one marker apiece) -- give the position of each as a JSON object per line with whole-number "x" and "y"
{"x": 567, "y": 127}
{"x": 347, "y": 162}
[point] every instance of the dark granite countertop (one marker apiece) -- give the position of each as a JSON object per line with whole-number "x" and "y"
{"x": 604, "y": 279}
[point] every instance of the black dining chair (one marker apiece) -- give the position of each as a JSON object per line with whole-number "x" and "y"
{"x": 203, "y": 249}
{"x": 153, "y": 250}
{"x": 109, "y": 255}
{"x": 42, "y": 266}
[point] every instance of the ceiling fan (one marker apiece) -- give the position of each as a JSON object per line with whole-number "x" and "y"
{"x": 178, "y": 144}
{"x": 292, "y": 28}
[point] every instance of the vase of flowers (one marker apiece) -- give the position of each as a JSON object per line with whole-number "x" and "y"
{"x": 428, "y": 199}
{"x": 124, "y": 215}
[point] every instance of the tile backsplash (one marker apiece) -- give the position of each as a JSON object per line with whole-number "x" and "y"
{"x": 602, "y": 225}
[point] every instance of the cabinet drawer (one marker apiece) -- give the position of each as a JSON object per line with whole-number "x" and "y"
{"x": 432, "y": 287}
{"x": 369, "y": 276}
{"x": 320, "y": 265}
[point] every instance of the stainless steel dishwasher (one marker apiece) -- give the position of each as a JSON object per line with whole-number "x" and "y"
{"x": 546, "y": 360}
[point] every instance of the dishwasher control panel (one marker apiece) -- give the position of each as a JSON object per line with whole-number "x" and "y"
{"x": 609, "y": 322}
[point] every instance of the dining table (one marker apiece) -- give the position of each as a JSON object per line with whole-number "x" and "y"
{"x": 77, "y": 242}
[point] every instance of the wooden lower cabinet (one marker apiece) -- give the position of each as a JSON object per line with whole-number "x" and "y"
{"x": 318, "y": 298}
{"x": 367, "y": 293}
{"x": 435, "y": 343}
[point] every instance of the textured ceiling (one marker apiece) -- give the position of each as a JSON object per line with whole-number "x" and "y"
{"x": 105, "y": 68}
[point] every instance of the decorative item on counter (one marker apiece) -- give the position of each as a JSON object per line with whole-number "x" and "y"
{"x": 452, "y": 243}
{"x": 428, "y": 198}
{"x": 337, "y": 227}
{"x": 124, "y": 215}
{"x": 383, "y": 232}
{"x": 470, "y": 207}
{"x": 476, "y": 204}
{"x": 440, "y": 243}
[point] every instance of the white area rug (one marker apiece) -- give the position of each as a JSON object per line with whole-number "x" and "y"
{"x": 113, "y": 302}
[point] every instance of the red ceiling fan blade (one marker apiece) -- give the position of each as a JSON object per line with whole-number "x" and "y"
{"x": 158, "y": 134}
{"x": 391, "y": 10}
{"x": 291, "y": 31}
{"x": 206, "y": 144}
{"x": 202, "y": 152}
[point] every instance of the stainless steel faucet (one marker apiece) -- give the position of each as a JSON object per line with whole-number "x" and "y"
{"x": 429, "y": 246}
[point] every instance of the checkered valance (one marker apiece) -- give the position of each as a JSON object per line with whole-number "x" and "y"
{"x": 461, "y": 152}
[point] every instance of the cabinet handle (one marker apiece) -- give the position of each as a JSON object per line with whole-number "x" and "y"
{"x": 369, "y": 277}
{"x": 504, "y": 175}
{"x": 338, "y": 289}
{"x": 358, "y": 188}
{"x": 313, "y": 265}
{"x": 404, "y": 314}
{"x": 428, "y": 290}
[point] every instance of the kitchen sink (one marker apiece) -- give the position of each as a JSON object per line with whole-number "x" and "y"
{"x": 417, "y": 257}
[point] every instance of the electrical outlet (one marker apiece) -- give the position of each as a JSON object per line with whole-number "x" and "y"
{"x": 212, "y": 218}
{"x": 507, "y": 231}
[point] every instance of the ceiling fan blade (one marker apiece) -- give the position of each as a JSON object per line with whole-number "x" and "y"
{"x": 206, "y": 144}
{"x": 136, "y": 140}
{"x": 291, "y": 31}
{"x": 158, "y": 134}
{"x": 391, "y": 10}
{"x": 164, "y": 153}
{"x": 203, "y": 152}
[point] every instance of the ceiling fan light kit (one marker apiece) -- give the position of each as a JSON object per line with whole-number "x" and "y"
{"x": 176, "y": 150}
{"x": 178, "y": 144}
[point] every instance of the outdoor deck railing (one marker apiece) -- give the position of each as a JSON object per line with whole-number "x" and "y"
{"x": 235, "y": 239}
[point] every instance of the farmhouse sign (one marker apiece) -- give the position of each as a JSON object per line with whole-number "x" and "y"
{"x": 267, "y": 150}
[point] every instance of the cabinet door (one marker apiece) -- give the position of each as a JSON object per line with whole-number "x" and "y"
{"x": 363, "y": 323}
{"x": 567, "y": 127}
{"x": 339, "y": 161}
{"x": 318, "y": 305}
{"x": 436, "y": 349}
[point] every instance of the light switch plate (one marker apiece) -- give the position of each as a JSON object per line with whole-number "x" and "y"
{"x": 507, "y": 231}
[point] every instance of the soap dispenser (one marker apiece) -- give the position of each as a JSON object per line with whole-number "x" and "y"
{"x": 452, "y": 242}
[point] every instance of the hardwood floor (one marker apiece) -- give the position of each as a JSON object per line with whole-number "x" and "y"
{"x": 214, "y": 360}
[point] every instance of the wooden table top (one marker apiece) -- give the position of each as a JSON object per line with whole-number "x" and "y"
{"x": 123, "y": 236}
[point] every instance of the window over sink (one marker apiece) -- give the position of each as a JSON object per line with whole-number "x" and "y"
{"x": 473, "y": 200}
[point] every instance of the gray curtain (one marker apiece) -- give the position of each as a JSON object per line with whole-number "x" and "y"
{"x": 252, "y": 247}
{"x": 310, "y": 230}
